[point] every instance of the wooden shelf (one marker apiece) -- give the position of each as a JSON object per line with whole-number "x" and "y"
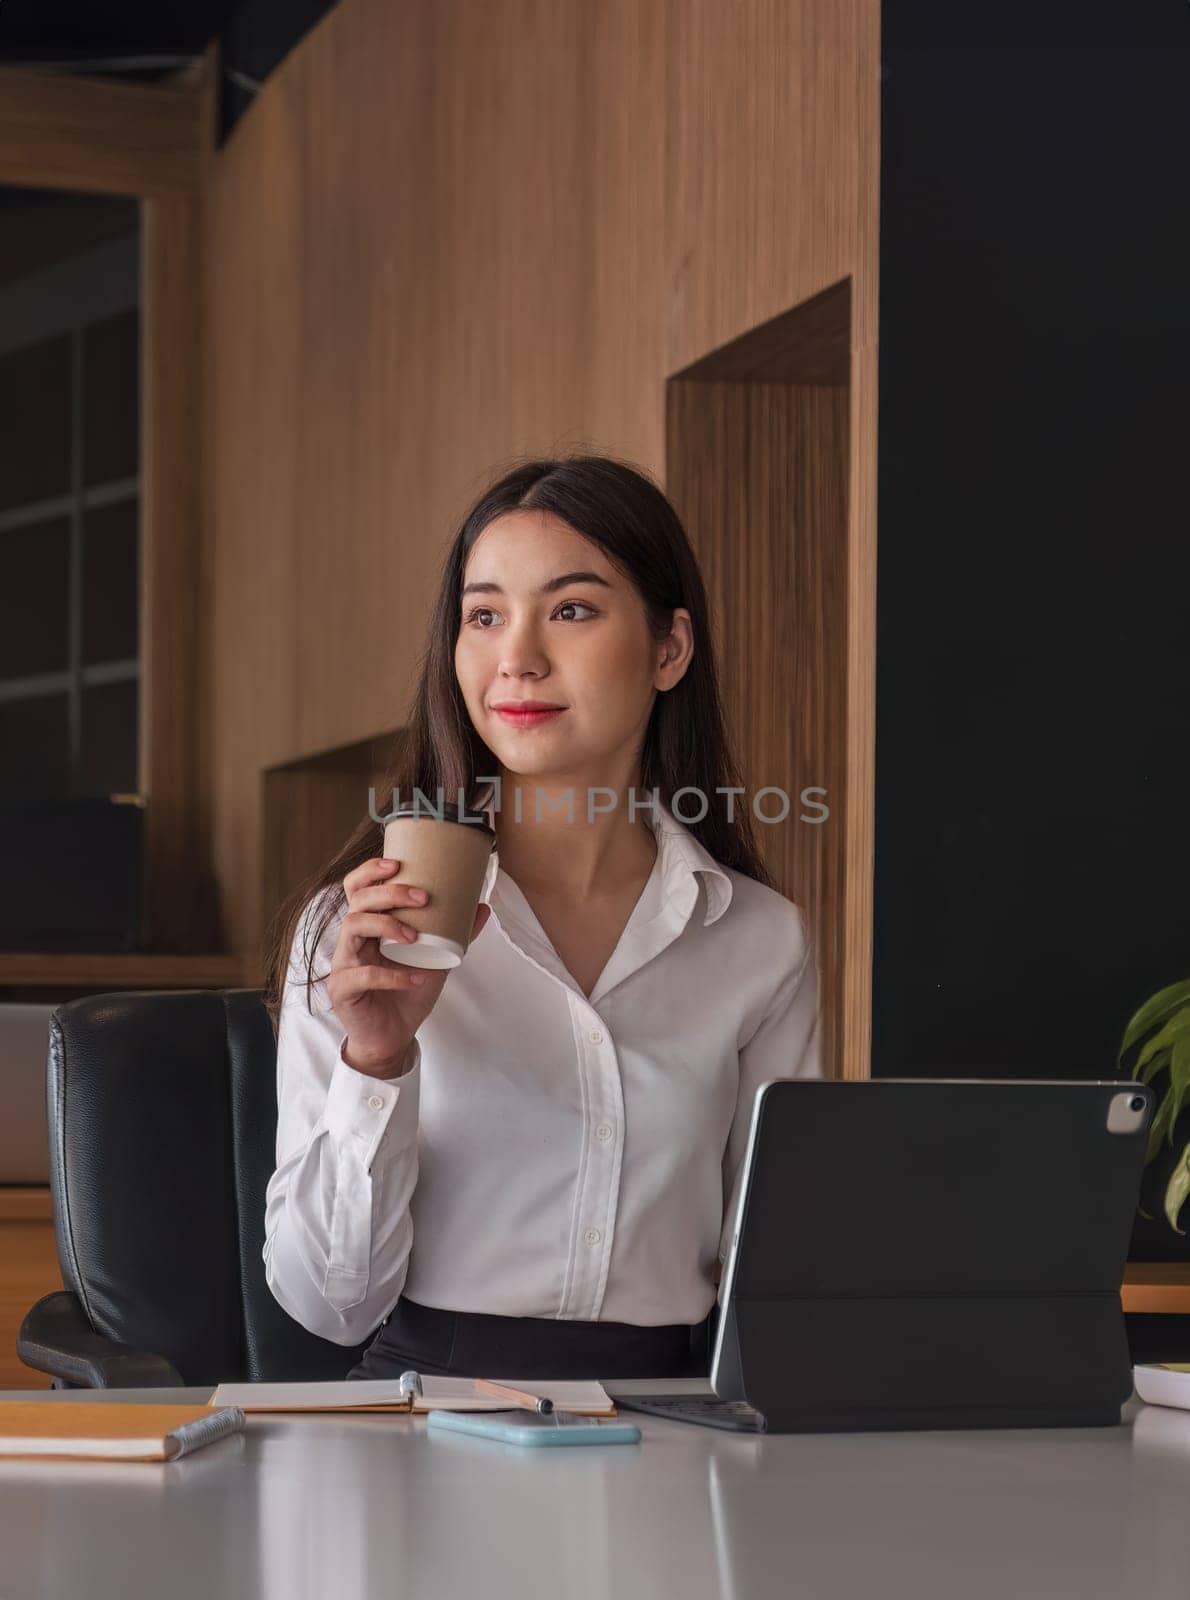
{"x": 1156, "y": 1286}
{"x": 24, "y": 1202}
{"x": 117, "y": 970}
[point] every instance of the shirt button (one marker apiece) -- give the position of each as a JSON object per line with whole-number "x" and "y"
{"x": 596, "y": 1037}
{"x": 375, "y": 1102}
{"x": 603, "y": 1131}
{"x": 592, "y": 1236}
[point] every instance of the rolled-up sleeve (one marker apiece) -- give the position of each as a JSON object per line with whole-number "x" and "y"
{"x": 338, "y": 1230}
{"x": 787, "y": 1043}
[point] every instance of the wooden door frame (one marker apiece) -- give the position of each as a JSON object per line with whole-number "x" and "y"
{"x": 152, "y": 142}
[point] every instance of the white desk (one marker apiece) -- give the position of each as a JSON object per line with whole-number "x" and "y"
{"x": 351, "y": 1507}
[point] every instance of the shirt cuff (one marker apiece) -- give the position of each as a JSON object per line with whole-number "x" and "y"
{"x": 380, "y": 1113}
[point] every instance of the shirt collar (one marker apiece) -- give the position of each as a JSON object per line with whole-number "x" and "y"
{"x": 681, "y": 853}
{"x": 681, "y": 857}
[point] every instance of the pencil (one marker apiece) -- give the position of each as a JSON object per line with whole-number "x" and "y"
{"x": 532, "y": 1402}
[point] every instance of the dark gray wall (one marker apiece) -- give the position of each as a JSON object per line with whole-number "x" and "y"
{"x": 1033, "y": 676}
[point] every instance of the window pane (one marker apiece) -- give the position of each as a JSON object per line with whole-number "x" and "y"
{"x": 109, "y": 740}
{"x": 110, "y": 583}
{"x": 35, "y": 422}
{"x": 110, "y": 389}
{"x": 41, "y": 227}
{"x": 35, "y": 599}
{"x": 35, "y": 739}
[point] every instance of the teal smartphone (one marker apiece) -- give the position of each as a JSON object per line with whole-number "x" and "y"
{"x": 534, "y": 1428}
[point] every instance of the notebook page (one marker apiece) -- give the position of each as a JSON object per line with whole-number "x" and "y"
{"x": 460, "y": 1394}
{"x": 358, "y": 1394}
{"x": 455, "y": 1394}
{"x": 384, "y": 1394}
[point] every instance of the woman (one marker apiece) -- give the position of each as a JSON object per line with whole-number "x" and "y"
{"x": 527, "y": 1166}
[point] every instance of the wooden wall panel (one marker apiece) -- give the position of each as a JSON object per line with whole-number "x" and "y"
{"x": 767, "y": 171}
{"x": 254, "y": 435}
{"x": 859, "y": 733}
{"x": 759, "y": 474}
{"x": 179, "y": 909}
{"x": 65, "y": 130}
{"x": 448, "y": 234}
{"x": 312, "y": 806}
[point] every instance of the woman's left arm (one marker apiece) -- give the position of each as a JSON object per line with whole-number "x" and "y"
{"x": 787, "y": 1043}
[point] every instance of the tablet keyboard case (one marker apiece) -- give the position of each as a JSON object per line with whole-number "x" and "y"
{"x": 950, "y": 1258}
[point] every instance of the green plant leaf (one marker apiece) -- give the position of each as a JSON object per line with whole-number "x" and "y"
{"x": 1157, "y": 1064}
{"x": 1177, "y": 1189}
{"x": 1154, "y": 1011}
{"x": 1177, "y": 1025}
{"x": 1179, "y": 1078}
{"x": 1158, "y": 1126}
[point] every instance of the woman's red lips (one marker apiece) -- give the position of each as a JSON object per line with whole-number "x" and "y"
{"x": 526, "y": 713}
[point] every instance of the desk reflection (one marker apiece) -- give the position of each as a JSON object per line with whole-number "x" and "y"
{"x": 1158, "y": 1548}
{"x": 988, "y": 1514}
{"x": 355, "y": 1506}
{"x": 121, "y": 1528}
{"x": 451, "y": 1515}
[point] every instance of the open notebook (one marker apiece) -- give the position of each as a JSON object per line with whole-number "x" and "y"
{"x": 83, "y": 1430}
{"x": 384, "y": 1394}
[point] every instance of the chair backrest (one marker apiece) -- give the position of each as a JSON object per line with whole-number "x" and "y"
{"x": 162, "y": 1110}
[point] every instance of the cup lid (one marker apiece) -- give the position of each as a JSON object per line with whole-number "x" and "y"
{"x": 429, "y": 811}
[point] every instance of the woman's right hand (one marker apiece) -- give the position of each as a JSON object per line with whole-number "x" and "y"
{"x": 381, "y": 1003}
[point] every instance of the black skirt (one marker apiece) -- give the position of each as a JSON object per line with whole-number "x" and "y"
{"x": 475, "y": 1344}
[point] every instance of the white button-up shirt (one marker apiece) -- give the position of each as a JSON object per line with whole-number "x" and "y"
{"x": 546, "y": 1154}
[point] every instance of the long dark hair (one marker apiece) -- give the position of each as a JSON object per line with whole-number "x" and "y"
{"x": 623, "y": 511}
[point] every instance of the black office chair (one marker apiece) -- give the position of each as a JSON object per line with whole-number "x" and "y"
{"x": 162, "y": 1123}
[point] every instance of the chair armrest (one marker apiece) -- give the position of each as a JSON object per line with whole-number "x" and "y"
{"x": 56, "y": 1337}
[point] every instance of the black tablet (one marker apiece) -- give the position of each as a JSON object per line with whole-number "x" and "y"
{"x": 932, "y": 1253}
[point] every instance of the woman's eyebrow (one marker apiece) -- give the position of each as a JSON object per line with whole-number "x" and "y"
{"x": 547, "y": 588}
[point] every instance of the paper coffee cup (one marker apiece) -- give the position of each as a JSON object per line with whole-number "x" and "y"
{"x": 444, "y": 851}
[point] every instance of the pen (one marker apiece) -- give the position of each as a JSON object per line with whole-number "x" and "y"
{"x": 532, "y": 1401}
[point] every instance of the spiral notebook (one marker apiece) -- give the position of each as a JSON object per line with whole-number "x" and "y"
{"x": 385, "y": 1394}
{"x": 89, "y": 1430}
